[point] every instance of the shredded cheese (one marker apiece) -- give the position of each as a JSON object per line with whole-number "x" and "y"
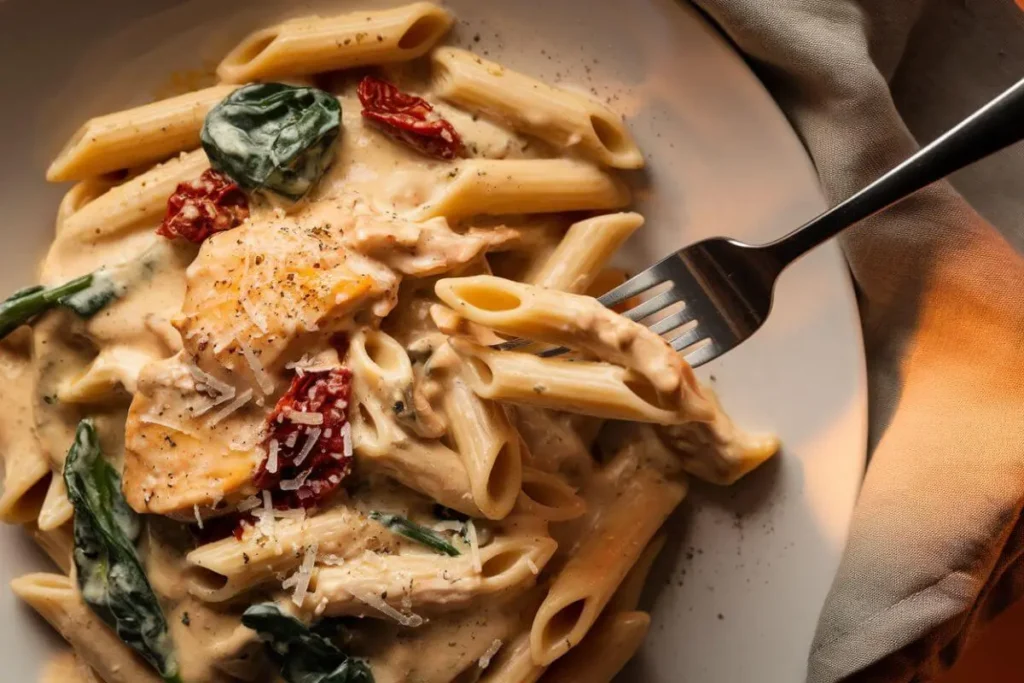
{"x": 296, "y": 483}
{"x": 346, "y": 436}
{"x": 474, "y": 547}
{"x": 304, "y": 574}
{"x": 199, "y": 518}
{"x": 265, "y": 381}
{"x": 272, "y": 456}
{"x": 226, "y": 411}
{"x": 532, "y": 566}
{"x": 485, "y": 659}
{"x": 311, "y": 419}
{"x": 249, "y": 503}
{"x": 370, "y": 598}
{"x": 215, "y": 385}
{"x": 311, "y": 438}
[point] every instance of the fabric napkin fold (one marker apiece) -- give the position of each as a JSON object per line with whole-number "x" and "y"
{"x": 936, "y": 539}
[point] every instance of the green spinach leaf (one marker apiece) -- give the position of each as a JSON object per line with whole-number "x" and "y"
{"x": 271, "y": 136}
{"x": 304, "y": 656}
{"x": 110, "y": 576}
{"x": 414, "y": 532}
{"x": 85, "y": 295}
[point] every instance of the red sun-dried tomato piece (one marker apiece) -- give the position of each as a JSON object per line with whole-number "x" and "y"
{"x": 197, "y": 209}
{"x": 409, "y": 119}
{"x": 309, "y": 429}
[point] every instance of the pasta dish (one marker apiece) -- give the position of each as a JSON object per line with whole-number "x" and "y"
{"x": 255, "y": 409}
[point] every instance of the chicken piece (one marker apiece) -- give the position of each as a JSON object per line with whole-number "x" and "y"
{"x": 192, "y": 442}
{"x": 260, "y": 293}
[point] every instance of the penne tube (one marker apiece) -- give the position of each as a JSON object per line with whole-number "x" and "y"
{"x": 114, "y": 368}
{"x": 56, "y": 509}
{"x": 718, "y": 451}
{"x": 554, "y": 444}
{"x": 224, "y": 569}
{"x": 136, "y": 136}
{"x": 314, "y": 44}
{"x": 58, "y": 544}
{"x": 586, "y": 248}
{"x": 79, "y": 196}
{"x": 561, "y": 118}
{"x": 546, "y": 496}
{"x": 68, "y": 667}
{"x": 582, "y": 323}
{"x": 607, "y": 552}
{"x": 382, "y": 365}
{"x": 427, "y": 466}
{"x": 514, "y": 663}
{"x": 489, "y": 447}
{"x": 140, "y": 201}
{"x": 627, "y": 597}
{"x": 584, "y": 387}
{"x": 26, "y": 467}
{"x": 522, "y": 186}
{"x": 361, "y": 586}
{"x": 604, "y": 652}
{"x": 57, "y": 600}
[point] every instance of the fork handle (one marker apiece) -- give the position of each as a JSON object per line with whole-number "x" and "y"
{"x": 998, "y": 124}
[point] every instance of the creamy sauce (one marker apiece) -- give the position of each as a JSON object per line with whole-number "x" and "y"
{"x": 181, "y": 371}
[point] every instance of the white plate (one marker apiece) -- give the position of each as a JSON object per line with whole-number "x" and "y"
{"x": 747, "y": 569}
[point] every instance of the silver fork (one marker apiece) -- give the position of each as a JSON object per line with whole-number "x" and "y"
{"x": 726, "y": 286}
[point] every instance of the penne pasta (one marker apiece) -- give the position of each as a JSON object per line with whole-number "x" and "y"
{"x": 224, "y": 569}
{"x": 136, "y": 136}
{"x": 605, "y": 555}
{"x": 610, "y": 644}
{"x": 586, "y": 248}
{"x": 627, "y": 596}
{"x": 514, "y": 663}
{"x": 548, "y": 497}
{"x": 315, "y": 44}
{"x": 584, "y": 387}
{"x": 426, "y": 581}
{"x": 427, "y": 466}
{"x": 58, "y": 544}
{"x": 56, "y": 509}
{"x": 57, "y": 600}
{"x": 139, "y": 202}
{"x": 561, "y": 118}
{"x": 494, "y": 187}
{"x": 489, "y": 447}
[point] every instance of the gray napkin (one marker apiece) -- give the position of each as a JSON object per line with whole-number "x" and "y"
{"x": 936, "y": 539}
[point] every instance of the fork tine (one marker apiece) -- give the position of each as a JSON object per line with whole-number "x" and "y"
{"x": 677, "y": 319}
{"x": 651, "y": 306}
{"x": 701, "y": 355}
{"x": 688, "y": 338}
{"x": 637, "y": 284}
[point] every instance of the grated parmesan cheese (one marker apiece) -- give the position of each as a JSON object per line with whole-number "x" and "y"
{"x": 450, "y": 525}
{"x": 307, "y": 448}
{"x": 255, "y": 314}
{"x": 217, "y": 386}
{"x": 304, "y": 574}
{"x": 249, "y": 503}
{"x": 226, "y": 411}
{"x": 293, "y": 438}
{"x": 485, "y": 659}
{"x": 296, "y": 483}
{"x": 474, "y": 547}
{"x": 532, "y": 566}
{"x": 375, "y": 601}
{"x": 265, "y": 381}
{"x": 311, "y": 419}
{"x": 158, "y": 420}
{"x": 346, "y": 437}
{"x": 272, "y": 457}
{"x": 199, "y": 518}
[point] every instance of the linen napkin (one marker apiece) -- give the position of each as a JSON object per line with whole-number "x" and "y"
{"x": 936, "y": 540}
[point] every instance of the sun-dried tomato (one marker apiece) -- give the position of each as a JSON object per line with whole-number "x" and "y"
{"x": 311, "y": 458}
{"x": 197, "y": 209}
{"x": 409, "y": 119}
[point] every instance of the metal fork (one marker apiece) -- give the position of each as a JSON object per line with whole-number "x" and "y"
{"x": 726, "y": 286}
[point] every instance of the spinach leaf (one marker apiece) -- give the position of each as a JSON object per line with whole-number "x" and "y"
{"x": 271, "y": 136}
{"x": 414, "y": 532}
{"x": 304, "y": 656}
{"x": 110, "y": 576}
{"x": 85, "y": 295}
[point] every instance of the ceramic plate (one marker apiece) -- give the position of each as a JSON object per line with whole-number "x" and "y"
{"x": 745, "y": 573}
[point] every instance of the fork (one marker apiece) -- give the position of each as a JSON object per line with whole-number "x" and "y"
{"x": 726, "y": 286}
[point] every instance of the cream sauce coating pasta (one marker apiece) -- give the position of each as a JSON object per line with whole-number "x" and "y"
{"x": 295, "y": 413}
